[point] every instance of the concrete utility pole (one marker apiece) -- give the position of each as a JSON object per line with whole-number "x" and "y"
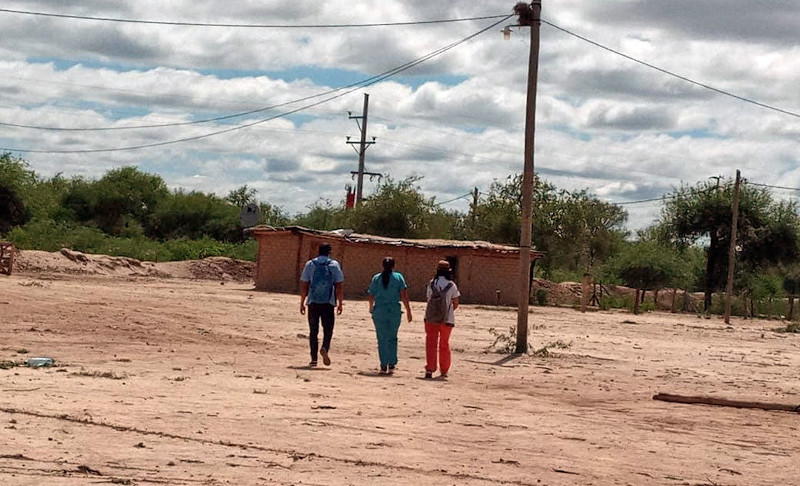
{"x": 732, "y": 249}
{"x": 362, "y": 148}
{"x": 529, "y": 15}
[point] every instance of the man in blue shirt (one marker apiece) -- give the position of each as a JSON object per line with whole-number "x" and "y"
{"x": 320, "y": 289}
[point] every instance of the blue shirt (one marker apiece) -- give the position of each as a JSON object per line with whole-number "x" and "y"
{"x": 308, "y": 272}
{"x": 390, "y": 295}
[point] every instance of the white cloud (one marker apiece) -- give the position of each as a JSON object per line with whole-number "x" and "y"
{"x": 603, "y": 122}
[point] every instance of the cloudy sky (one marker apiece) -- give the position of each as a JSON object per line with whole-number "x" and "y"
{"x": 624, "y": 131}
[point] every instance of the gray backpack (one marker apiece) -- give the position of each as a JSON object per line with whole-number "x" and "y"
{"x": 436, "y": 310}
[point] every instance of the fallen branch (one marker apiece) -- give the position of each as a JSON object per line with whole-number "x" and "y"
{"x": 723, "y": 402}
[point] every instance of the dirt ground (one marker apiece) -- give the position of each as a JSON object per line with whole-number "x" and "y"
{"x": 203, "y": 382}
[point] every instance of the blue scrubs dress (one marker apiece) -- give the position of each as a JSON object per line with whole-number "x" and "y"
{"x": 386, "y": 315}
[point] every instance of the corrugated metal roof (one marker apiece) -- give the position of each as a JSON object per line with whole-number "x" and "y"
{"x": 383, "y": 240}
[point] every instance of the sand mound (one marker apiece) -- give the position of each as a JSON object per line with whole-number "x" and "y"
{"x": 212, "y": 268}
{"x": 76, "y": 263}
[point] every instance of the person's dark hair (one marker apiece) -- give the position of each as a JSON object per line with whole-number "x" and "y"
{"x": 443, "y": 270}
{"x": 388, "y": 266}
{"x": 324, "y": 249}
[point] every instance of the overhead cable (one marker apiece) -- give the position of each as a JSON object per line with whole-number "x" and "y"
{"x": 772, "y": 186}
{"x": 454, "y": 199}
{"x": 249, "y": 26}
{"x": 346, "y": 90}
{"x": 670, "y": 73}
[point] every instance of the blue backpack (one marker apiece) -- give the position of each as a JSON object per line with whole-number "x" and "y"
{"x": 321, "y": 283}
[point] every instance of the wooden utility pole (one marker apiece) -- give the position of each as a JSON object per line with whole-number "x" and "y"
{"x": 732, "y": 249}
{"x": 475, "y": 195}
{"x": 362, "y": 148}
{"x": 529, "y": 15}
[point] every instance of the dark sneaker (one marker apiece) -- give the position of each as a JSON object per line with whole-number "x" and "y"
{"x": 428, "y": 375}
{"x": 443, "y": 375}
{"x": 312, "y": 364}
{"x": 390, "y": 371}
{"x": 325, "y": 358}
{"x": 383, "y": 370}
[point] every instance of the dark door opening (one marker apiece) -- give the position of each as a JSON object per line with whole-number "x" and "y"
{"x": 453, "y": 261}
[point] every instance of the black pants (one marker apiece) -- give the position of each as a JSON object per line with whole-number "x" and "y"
{"x": 317, "y": 312}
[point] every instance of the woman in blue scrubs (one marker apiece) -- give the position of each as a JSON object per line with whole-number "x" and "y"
{"x": 386, "y": 291}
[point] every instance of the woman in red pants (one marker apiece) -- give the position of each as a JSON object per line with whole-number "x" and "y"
{"x": 440, "y": 319}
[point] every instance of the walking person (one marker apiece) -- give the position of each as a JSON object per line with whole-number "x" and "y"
{"x": 443, "y": 297}
{"x": 386, "y": 291}
{"x": 320, "y": 289}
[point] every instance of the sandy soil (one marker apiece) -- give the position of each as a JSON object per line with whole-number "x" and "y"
{"x": 193, "y": 382}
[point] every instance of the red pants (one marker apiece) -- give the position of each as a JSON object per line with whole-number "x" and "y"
{"x": 437, "y": 336}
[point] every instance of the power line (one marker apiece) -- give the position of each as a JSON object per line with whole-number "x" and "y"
{"x": 670, "y": 73}
{"x": 353, "y": 87}
{"x": 251, "y": 26}
{"x": 626, "y": 203}
{"x": 665, "y": 197}
{"x": 772, "y": 186}
{"x": 454, "y": 199}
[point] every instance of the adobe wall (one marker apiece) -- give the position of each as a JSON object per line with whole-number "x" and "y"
{"x": 277, "y": 261}
{"x": 479, "y": 274}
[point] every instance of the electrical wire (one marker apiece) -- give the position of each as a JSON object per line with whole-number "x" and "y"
{"x": 627, "y": 203}
{"x": 665, "y": 197}
{"x": 352, "y": 87}
{"x": 772, "y": 186}
{"x": 674, "y": 75}
{"x": 454, "y": 199}
{"x": 250, "y": 26}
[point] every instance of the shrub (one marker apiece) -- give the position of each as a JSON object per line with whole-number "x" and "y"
{"x": 541, "y": 296}
{"x": 616, "y": 302}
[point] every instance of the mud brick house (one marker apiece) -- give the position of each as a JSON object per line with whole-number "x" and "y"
{"x": 485, "y": 273}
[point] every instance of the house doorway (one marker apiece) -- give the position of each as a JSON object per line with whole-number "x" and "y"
{"x": 453, "y": 261}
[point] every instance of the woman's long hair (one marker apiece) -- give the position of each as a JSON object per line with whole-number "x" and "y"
{"x": 388, "y": 267}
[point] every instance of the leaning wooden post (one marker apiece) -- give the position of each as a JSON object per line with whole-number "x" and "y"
{"x": 732, "y": 249}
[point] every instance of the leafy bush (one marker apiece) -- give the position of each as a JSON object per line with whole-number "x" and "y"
{"x": 51, "y": 236}
{"x": 541, "y": 297}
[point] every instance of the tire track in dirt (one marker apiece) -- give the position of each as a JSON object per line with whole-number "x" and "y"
{"x": 293, "y": 454}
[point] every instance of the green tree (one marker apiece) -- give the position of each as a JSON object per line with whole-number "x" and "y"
{"x": 323, "y": 215}
{"x": 195, "y": 215}
{"x": 646, "y": 266}
{"x": 397, "y": 209}
{"x": 15, "y": 181}
{"x": 791, "y": 286}
{"x": 242, "y": 196}
{"x": 273, "y": 215}
{"x": 575, "y": 229}
{"x": 121, "y": 199}
{"x": 768, "y": 231}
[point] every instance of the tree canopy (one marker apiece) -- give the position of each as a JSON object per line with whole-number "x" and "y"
{"x": 768, "y": 231}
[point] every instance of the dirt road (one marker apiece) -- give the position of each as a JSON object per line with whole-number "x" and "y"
{"x": 180, "y": 382}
